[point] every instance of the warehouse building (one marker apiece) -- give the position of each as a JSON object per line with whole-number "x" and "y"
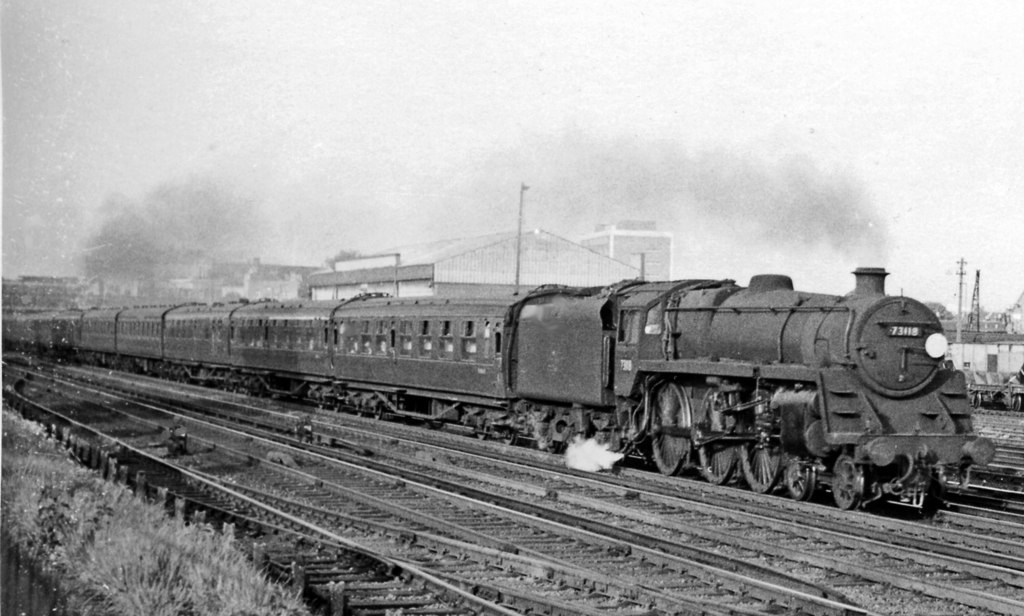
{"x": 470, "y": 266}
{"x": 636, "y": 242}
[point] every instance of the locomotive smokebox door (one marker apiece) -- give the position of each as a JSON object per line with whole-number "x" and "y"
{"x": 563, "y": 347}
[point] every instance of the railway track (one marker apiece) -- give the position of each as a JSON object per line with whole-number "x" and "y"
{"x": 999, "y": 500}
{"x": 666, "y": 520}
{"x": 329, "y": 569}
{"x": 580, "y": 572}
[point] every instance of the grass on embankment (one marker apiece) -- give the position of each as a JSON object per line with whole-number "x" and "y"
{"x": 116, "y": 553}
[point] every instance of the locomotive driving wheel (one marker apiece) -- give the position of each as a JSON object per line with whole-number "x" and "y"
{"x": 762, "y": 465}
{"x": 717, "y": 460}
{"x": 847, "y": 482}
{"x": 762, "y": 460}
{"x": 671, "y": 419}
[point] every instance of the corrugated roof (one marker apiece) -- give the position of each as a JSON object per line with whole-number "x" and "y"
{"x": 429, "y": 253}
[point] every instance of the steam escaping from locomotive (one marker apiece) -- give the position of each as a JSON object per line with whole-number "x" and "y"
{"x": 590, "y": 456}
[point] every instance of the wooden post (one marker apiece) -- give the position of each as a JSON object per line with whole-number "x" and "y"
{"x": 259, "y": 555}
{"x": 299, "y": 576}
{"x": 338, "y": 599}
{"x": 140, "y": 484}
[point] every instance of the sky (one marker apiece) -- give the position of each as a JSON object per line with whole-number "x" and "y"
{"x": 769, "y": 137}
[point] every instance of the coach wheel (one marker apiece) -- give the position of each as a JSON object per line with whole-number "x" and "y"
{"x": 762, "y": 466}
{"x": 1017, "y": 402}
{"x": 847, "y": 482}
{"x": 800, "y": 479}
{"x": 671, "y": 419}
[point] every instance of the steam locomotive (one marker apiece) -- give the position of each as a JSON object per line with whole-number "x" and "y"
{"x": 790, "y": 390}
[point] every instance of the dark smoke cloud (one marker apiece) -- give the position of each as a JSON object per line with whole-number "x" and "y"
{"x": 716, "y": 197}
{"x": 172, "y": 228}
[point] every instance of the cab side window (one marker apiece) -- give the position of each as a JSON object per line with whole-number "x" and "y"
{"x": 629, "y": 326}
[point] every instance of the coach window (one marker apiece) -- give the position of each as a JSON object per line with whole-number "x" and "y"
{"x": 447, "y": 344}
{"x": 469, "y": 344}
{"x": 426, "y": 339}
{"x": 380, "y": 340}
{"x": 405, "y": 338}
{"x": 366, "y": 339}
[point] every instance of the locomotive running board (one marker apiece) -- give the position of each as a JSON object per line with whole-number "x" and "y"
{"x": 739, "y": 370}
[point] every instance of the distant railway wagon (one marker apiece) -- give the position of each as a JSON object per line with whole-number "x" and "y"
{"x": 780, "y": 387}
{"x": 994, "y": 372}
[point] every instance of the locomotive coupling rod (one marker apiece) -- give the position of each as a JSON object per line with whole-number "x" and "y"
{"x": 724, "y": 438}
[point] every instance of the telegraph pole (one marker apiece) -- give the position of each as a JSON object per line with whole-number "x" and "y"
{"x": 519, "y": 236}
{"x": 960, "y": 300}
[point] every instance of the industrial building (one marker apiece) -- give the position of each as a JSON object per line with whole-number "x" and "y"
{"x": 636, "y": 242}
{"x": 470, "y": 266}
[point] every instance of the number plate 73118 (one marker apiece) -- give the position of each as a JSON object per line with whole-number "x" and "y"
{"x": 905, "y": 331}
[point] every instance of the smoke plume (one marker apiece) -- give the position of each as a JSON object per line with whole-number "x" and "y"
{"x": 715, "y": 199}
{"x": 172, "y": 228}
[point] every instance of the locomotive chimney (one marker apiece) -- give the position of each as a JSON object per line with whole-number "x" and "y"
{"x": 870, "y": 280}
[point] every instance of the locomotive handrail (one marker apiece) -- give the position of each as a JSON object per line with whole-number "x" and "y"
{"x": 771, "y": 309}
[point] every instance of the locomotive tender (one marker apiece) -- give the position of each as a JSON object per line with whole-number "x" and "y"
{"x": 783, "y": 387}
